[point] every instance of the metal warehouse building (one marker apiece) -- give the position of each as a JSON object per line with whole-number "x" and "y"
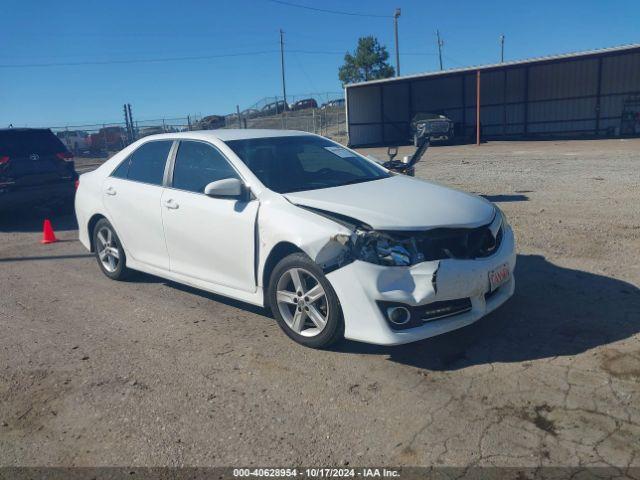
{"x": 595, "y": 93}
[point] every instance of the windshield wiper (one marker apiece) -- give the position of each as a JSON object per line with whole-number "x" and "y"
{"x": 348, "y": 182}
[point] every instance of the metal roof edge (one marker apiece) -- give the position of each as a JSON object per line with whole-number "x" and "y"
{"x": 586, "y": 53}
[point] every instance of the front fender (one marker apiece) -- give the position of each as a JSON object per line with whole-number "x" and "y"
{"x": 280, "y": 221}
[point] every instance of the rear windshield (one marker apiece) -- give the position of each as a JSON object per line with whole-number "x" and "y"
{"x": 19, "y": 143}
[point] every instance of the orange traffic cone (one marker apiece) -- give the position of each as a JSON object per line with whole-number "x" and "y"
{"x": 47, "y": 233}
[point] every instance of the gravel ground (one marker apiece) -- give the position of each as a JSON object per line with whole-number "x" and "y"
{"x": 151, "y": 373}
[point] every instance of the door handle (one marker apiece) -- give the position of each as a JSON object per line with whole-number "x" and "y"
{"x": 171, "y": 204}
{"x": 110, "y": 191}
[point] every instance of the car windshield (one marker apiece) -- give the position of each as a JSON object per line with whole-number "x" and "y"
{"x": 427, "y": 116}
{"x": 298, "y": 163}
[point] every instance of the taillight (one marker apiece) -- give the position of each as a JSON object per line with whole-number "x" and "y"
{"x": 64, "y": 155}
{"x": 4, "y": 159}
{"x": 77, "y": 183}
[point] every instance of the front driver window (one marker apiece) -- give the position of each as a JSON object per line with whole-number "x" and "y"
{"x": 198, "y": 164}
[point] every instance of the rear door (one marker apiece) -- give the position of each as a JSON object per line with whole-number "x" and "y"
{"x": 33, "y": 157}
{"x": 132, "y": 196}
{"x": 210, "y": 239}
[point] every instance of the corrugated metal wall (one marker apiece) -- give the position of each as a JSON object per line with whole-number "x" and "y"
{"x": 564, "y": 97}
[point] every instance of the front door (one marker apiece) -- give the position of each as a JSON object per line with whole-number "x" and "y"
{"x": 210, "y": 239}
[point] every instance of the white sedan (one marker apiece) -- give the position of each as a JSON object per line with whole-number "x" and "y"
{"x": 334, "y": 244}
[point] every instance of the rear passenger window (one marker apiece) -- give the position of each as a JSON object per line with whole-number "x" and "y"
{"x": 122, "y": 170}
{"x": 147, "y": 163}
{"x": 198, "y": 164}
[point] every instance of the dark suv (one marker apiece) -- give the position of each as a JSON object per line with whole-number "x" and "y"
{"x": 436, "y": 127}
{"x": 35, "y": 167}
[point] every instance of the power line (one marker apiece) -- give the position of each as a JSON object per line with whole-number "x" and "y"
{"x": 141, "y": 60}
{"x": 179, "y": 59}
{"x": 324, "y": 10}
{"x": 162, "y": 59}
{"x": 304, "y": 72}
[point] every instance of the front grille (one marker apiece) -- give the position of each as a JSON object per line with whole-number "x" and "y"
{"x": 462, "y": 243}
{"x": 438, "y": 127}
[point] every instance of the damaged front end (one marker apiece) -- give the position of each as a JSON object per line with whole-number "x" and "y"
{"x": 400, "y": 286}
{"x": 381, "y": 248}
{"x": 404, "y": 249}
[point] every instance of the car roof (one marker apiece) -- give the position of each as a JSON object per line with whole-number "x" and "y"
{"x": 229, "y": 134}
{"x": 24, "y": 129}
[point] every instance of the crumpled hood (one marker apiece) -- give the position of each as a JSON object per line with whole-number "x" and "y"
{"x": 400, "y": 203}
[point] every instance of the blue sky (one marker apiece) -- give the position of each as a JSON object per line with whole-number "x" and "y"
{"x": 71, "y": 31}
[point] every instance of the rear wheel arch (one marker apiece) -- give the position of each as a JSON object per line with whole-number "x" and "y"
{"x": 91, "y": 226}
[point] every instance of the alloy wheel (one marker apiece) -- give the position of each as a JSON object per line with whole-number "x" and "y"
{"x": 302, "y": 302}
{"x": 107, "y": 248}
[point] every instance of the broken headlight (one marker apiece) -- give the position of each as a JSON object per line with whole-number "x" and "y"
{"x": 383, "y": 249}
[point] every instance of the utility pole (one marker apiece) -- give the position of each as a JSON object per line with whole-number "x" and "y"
{"x": 440, "y": 44}
{"x": 396, "y": 15}
{"x": 502, "y": 48}
{"x": 133, "y": 132}
{"x": 284, "y": 88}
{"x": 126, "y": 121}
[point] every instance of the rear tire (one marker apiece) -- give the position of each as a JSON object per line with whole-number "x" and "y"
{"x": 109, "y": 252}
{"x": 304, "y": 303}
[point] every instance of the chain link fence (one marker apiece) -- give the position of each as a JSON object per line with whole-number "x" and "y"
{"x": 323, "y": 114}
{"x": 98, "y": 140}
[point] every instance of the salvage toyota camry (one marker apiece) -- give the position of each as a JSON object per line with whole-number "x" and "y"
{"x": 336, "y": 245}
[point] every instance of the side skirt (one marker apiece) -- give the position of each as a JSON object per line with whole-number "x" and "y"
{"x": 254, "y": 298}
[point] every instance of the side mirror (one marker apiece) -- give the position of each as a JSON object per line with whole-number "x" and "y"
{"x": 227, "y": 187}
{"x": 392, "y": 152}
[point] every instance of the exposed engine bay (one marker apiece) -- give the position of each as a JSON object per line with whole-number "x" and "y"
{"x": 406, "y": 248}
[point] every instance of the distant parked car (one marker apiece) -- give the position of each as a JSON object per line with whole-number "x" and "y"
{"x": 107, "y": 139}
{"x": 338, "y": 102}
{"x": 274, "y": 108}
{"x": 35, "y": 167}
{"x": 304, "y": 104}
{"x": 146, "y": 131}
{"x": 75, "y": 140}
{"x": 438, "y": 128}
{"x": 250, "y": 113}
{"x": 231, "y": 119}
{"x": 210, "y": 122}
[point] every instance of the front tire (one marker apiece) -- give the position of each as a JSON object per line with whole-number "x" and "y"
{"x": 108, "y": 250}
{"x": 304, "y": 303}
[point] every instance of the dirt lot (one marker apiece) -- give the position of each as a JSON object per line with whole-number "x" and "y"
{"x": 147, "y": 372}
